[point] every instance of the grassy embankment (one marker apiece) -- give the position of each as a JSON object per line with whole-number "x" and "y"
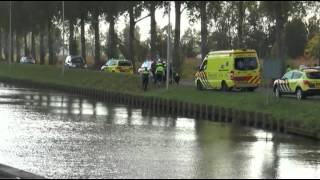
{"x": 73, "y": 77}
{"x": 287, "y": 108}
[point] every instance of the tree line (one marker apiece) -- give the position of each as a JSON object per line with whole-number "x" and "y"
{"x": 273, "y": 28}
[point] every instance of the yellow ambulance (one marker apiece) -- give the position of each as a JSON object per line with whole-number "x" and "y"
{"x": 229, "y": 69}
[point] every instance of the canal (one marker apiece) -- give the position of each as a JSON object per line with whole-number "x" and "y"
{"x": 59, "y": 135}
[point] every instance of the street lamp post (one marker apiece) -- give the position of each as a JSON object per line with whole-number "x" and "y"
{"x": 168, "y": 48}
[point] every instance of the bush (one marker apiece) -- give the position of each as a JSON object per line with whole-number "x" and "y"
{"x": 296, "y": 37}
{"x": 313, "y": 47}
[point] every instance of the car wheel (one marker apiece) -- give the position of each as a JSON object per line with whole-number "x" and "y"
{"x": 299, "y": 94}
{"x": 199, "y": 85}
{"x": 277, "y": 92}
{"x": 224, "y": 87}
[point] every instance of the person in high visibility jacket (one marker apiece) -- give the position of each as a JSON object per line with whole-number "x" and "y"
{"x": 145, "y": 78}
{"x": 160, "y": 71}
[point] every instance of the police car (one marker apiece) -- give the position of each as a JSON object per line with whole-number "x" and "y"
{"x": 118, "y": 66}
{"x": 303, "y": 82}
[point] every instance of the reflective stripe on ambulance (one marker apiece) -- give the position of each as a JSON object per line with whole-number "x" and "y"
{"x": 203, "y": 79}
{"x": 254, "y": 79}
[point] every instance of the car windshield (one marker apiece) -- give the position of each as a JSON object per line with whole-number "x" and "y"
{"x": 111, "y": 63}
{"x": 124, "y": 63}
{"x": 246, "y": 63}
{"x": 313, "y": 75}
{"x": 146, "y": 64}
{"x": 77, "y": 60}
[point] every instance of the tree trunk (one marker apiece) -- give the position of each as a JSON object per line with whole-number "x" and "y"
{"x": 131, "y": 38}
{"x": 41, "y": 46}
{"x": 112, "y": 42}
{"x": 279, "y": 36}
{"x": 18, "y": 48}
{"x": 71, "y": 37}
{"x": 240, "y": 24}
{"x": 279, "y": 51}
{"x": 176, "y": 54}
{"x": 12, "y": 48}
{"x": 1, "y": 35}
{"x": 96, "y": 38}
{"x": 33, "y": 48}
{"x": 51, "y": 61}
{"x": 204, "y": 31}
{"x": 6, "y": 48}
{"x": 83, "y": 40}
{"x": 153, "y": 30}
{"x": 25, "y": 44}
{"x": 13, "y": 54}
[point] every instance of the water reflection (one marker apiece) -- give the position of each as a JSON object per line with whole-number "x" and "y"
{"x": 63, "y": 136}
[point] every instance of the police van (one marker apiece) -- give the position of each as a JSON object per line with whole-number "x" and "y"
{"x": 229, "y": 69}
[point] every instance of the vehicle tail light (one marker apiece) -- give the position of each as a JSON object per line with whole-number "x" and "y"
{"x": 232, "y": 75}
{"x": 306, "y": 82}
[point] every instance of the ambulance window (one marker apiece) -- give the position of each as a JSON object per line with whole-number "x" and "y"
{"x": 246, "y": 63}
{"x": 204, "y": 65}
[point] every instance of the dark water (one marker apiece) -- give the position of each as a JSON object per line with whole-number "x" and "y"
{"x": 56, "y": 135}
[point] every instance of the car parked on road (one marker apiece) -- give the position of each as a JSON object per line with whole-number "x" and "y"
{"x": 75, "y": 62}
{"x": 27, "y": 60}
{"x": 118, "y": 66}
{"x": 303, "y": 82}
{"x": 146, "y": 64}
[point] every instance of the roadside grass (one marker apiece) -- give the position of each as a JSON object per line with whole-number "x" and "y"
{"x": 73, "y": 77}
{"x": 288, "y": 108}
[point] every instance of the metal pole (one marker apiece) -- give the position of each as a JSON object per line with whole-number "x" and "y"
{"x": 168, "y": 48}
{"x": 62, "y": 38}
{"x": 10, "y": 38}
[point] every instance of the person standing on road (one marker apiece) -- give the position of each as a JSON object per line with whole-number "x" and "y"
{"x": 145, "y": 79}
{"x": 153, "y": 71}
{"x": 159, "y": 72}
{"x": 177, "y": 78}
